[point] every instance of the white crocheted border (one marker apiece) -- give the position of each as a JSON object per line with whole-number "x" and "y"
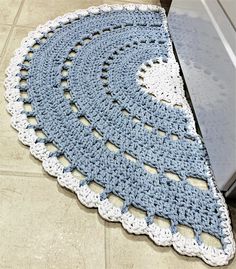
{"x": 161, "y": 236}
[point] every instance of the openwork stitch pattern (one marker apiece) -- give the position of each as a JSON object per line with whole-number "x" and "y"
{"x": 103, "y": 87}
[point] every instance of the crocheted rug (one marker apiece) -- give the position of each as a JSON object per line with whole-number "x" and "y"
{"x": 102, "y": 85}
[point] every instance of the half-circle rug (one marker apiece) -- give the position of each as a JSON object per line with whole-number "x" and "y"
{"x": 103, "y": 86}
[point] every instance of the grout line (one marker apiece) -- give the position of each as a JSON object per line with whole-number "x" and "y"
{"x": 6, "y": 44}
{"x": 18, "y": 25}
{"x": 11, "y": 30}
{"x": 106, "y": 245}
{"x": 5, "y": 24}
{"x": 19, "y": 173}
{"x": 18, "y": 12}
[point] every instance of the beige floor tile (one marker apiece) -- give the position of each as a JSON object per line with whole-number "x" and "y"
{"x": 16, "y": 158}
{"x": 47, "y": 10}
{"x": 128, "y": 251}
{"x": 153, "y": 2}
{"x": 4, "y": 31}
{"x": 42, "y": 226}
{"x": 36, "y": 12}
{"x": 8, "y": 10}
{"x": 17, "y": 35}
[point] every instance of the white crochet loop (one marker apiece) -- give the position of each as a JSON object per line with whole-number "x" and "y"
{"x": 163, "y": 80}
{"x": 161, "y": 236}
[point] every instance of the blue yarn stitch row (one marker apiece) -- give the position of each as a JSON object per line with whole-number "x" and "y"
{"x": 113, "y": 45}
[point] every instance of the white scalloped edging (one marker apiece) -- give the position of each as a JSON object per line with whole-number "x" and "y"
{"x": 161, "y": 236}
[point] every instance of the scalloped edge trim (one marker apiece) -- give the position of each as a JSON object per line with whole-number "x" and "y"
{"x": 160, "y": 236}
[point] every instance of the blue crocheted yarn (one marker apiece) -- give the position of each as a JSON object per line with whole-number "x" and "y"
{"x": 94, "y": 59}
{"x": 126, "y": 41}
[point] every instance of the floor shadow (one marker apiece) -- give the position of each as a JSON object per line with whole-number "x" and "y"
{"x": 232, "y": 209}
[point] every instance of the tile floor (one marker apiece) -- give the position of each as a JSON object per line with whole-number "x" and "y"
{"x": 41, "y": 224}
